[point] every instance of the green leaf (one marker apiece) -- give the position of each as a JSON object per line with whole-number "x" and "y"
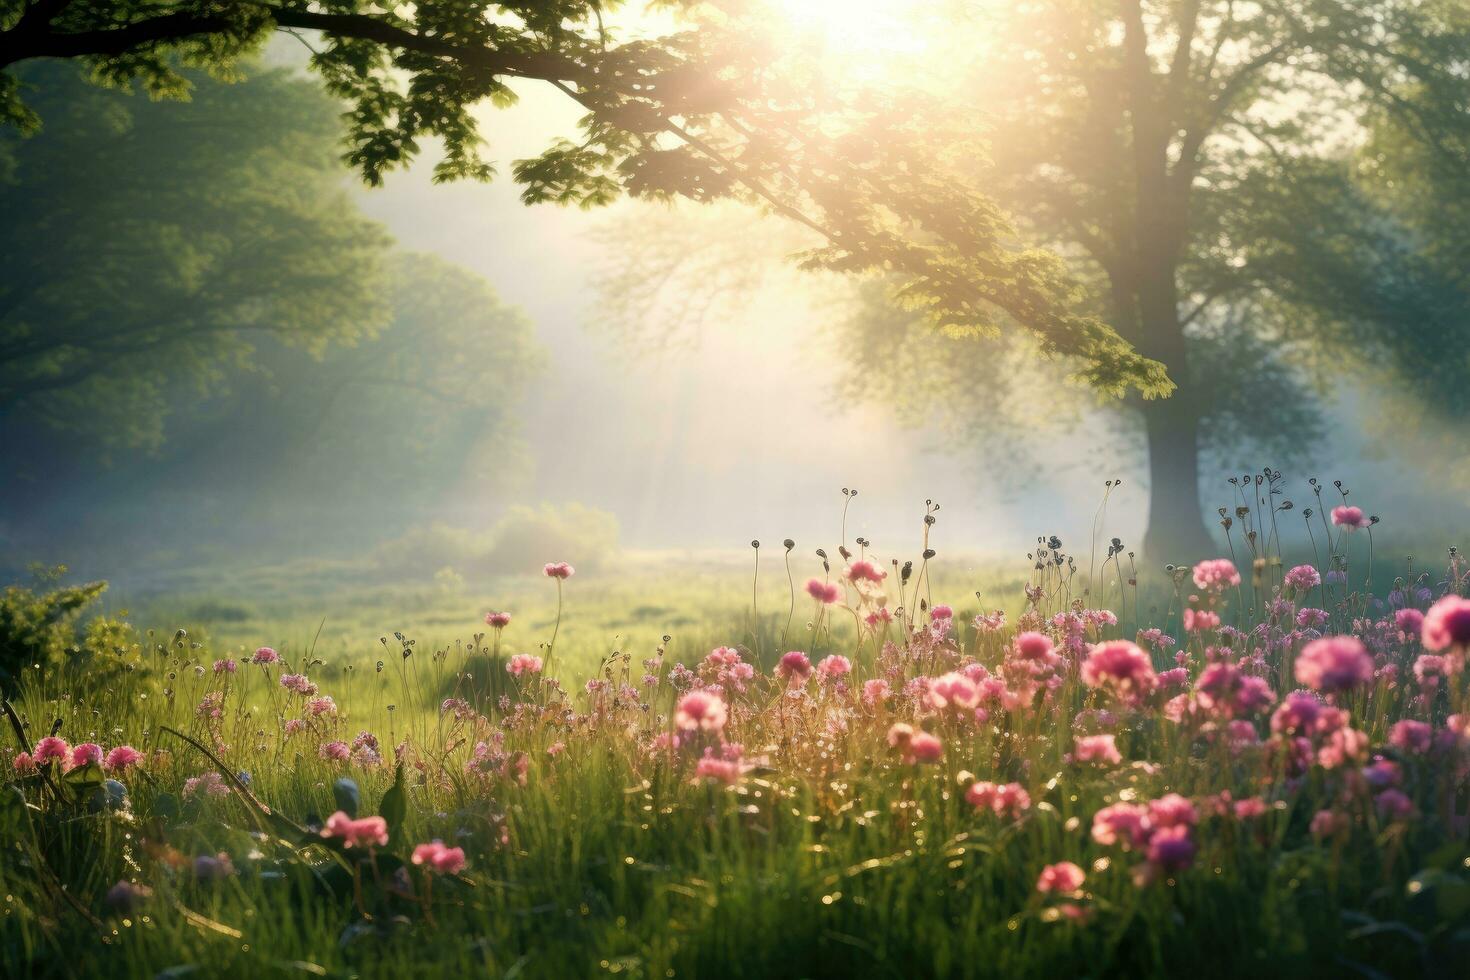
{"x": 395, "y": 803}
{"x": 348, "y": 796}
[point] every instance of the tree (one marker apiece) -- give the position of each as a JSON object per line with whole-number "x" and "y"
{"x": 1143, "y": 137}
{"x": 198, "y": 328}
{"x": 148, "y": 248}
{"x": 687, "y": 113}
{"x": 1231, "y": 183}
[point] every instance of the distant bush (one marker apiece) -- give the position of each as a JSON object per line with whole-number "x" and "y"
{"x": 528, "y": 537}
{"x": 523, "y": 540}
{"x": 38, "y": 627}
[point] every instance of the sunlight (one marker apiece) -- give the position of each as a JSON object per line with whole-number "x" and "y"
{"x": 863, "y": 28}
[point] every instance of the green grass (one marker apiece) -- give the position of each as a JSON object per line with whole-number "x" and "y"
{"x": 831, "y": 858}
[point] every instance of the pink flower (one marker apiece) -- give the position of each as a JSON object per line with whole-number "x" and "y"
{"x": 209, "y": 783}
{"x": 1310, "y": 618}
{"x": 1171, "y": 848}
{"x": 1409, "y": 622}
{"x": 1411, "y": 736}
{"x": 1098, "y": 749}
{"x": 1297, "y": 714}
{"x": 1063, "y": 876}
{"x": 1002, "y": 799}
{"x": 1122, "y": 667}
{"x": 440, "y": 859}
{"x": 323, "y": 705}
{"x": 824, "y": 592}
{"x": 523, "y": 663}
{"x": 24, "y": 763}
{"x": 1122, "y": 823}
{"x": 335, "y": 751}
{"x": 865, "y": 571}
{"x": 1350, "y": 518}
{"x": 1447, "y": 624}
{"x": 834, "y": 667}
{"x": 880, "y": 615}
{"x": 1392, "y": 804}
{"x": 875, "y": 692}
{"x": 1200, "y": 620}
{"x": 497, "y": 620}
{"x": 700, "y": 710}
{"x": 558, "y": 569}
{"x": 720, "y": 770}
{"x": 52, "y": 748}
{"x": 953, "y": 690}
{"x": 1250, "y": 808}
{"x": 1334, "y": 663}
{"x": 293, "y": 725}
{"x": 265, "y": 655}
{"x": 1035, "y": 647}
{"x": 226, "y": 666}
{"x": 1172, "y": 810}
{"x": 924, "y": 747}
{"x": 899, "y": 735}
{"x": 941, "y": 612}
{"x": 1302, "y": 578}
{"x": 1328, "y": 823}
{"x": 299, "y": 684}
{"x": 365, "y": 832}
{"x": 87, "y": 754}
{"x": 1216, "y": 575}
{"x": 794, "y": 667}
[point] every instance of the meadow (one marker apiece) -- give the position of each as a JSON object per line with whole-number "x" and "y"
{"x": 923, "y": 766}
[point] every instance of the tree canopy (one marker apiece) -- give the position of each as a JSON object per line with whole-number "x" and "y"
{"x": 694, "y": 112}
{"x": 150, "y": 247}
{"x": 1261, "y": 196}
{"x": 198, "y": 328}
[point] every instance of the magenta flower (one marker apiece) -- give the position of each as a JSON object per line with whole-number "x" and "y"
{"x": 865, "y": 571}
{"x": 558, "y": 569}
{"x": 1216, "y": 575}
{"x": 1302, "y": 578}
{"x": 51, "y": 748}
{"x": 226, "y": 665}
{"x": 1411, "y": 736}
{"x": 439, "y": 858}
{"x": 87, "y": 754}
{"x": 1122, "y": 823}
{"x": 953, "y": 690}
{"x": 1002, "y": 799}
{"x": 1063, "y": 877}
{"x": 1351, "y": 518}
{"x": 335, "y": 751}
{"x": 1101, "y": 749}
{"x": 923, "y": 748}
{"x": 1447, "y": 624}
{"x": 700, "y": 710}
{"x": 1121, "y": 667}
{"x": 265, "y": 655}
{"x": 794, "y": 667}
{"x": 1035, "y": 647}
{"x": 1333, "y": 664}
{"x": 121, "y": 758}
{"x": 523, "y": 663}
{"x": 834, "y": 668}
{"x": 1171, "y": 848}
{"x": 824, "y": 592}
{"x": 364, "y": 832}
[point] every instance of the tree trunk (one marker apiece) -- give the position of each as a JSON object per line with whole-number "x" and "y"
{"x": 1176, "y": 530}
